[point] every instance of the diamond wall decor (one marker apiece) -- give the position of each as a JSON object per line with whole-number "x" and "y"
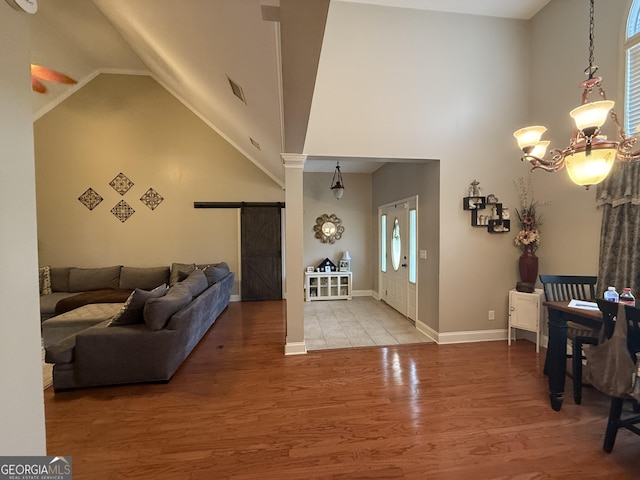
{"x": 122, "y": 211}
{"x": 121, "y": 183}
{"x": 90, "y": 198}
{"x": 151, "y": 199}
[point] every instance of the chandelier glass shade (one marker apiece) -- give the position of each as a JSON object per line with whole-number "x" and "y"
{"x": 337, "y": 184}
{"x": 590, "y": 156}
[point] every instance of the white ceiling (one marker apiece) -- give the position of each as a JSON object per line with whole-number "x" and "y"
{"x": 192, "y": 46}
{"x": 521, "y": 9}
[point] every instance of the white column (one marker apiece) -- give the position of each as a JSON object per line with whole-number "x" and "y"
{"x": 22, "y": 404}
{"x": 294, "y": 252}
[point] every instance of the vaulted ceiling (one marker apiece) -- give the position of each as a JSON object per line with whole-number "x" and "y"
{"x": 268, "y": 48}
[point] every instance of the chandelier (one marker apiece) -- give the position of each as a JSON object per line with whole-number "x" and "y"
{"x": 589, "y": 156}
{"x": 337, "y": 185}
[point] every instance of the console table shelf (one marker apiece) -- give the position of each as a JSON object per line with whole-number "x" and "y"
{"x": 327, "y": 286}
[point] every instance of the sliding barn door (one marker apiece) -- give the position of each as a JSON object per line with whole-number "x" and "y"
{"x": 261, "y": 252}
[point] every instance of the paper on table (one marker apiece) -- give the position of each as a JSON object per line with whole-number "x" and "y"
{"x": 583, "y": 304}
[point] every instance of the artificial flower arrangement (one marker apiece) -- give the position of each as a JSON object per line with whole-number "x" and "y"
{"x": 529, "y": 235}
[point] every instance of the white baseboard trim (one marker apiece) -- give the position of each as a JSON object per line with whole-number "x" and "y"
{"x": 235, "y": 298}
{"x": 472, "y": 336}
{"x": 462, "y": 337}
{"x": 375, "y": 295}
{"x": 295, "y": 348}
{"x": 427, "y": 330}
{"x": 360, "y": 293}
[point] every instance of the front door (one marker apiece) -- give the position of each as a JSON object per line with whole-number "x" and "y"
{"x": 396, "y": 239}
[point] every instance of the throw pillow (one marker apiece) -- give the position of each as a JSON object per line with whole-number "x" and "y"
{"x": 132, "y": 310}
{"x": 177, "y": 269}
{"x": 85, "y": 279}
{"x": 60, "y": 279}
{"x": 215, "y": 271}
{"x": 145, "y": 278}
{"x": 157, "y": 311}
{"x": 196, "y": 282}
{"x": 44, "y": 275}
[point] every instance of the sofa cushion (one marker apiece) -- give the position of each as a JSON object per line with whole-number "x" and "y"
{"x": 132, "y": 310}
{"x": 143, "y": 278}
{"x": 44, "y": 277}
{"x": 61, "y": 352}
{"x": 180, "y": 268}
{"x": 157, "y": 311}
{"x": 60, "y": 279}
{"x": 215, "y": 271}
{"x": 48, "y": 302}
{"x": 83, "y": 279}
{"x": 196, "y": 282}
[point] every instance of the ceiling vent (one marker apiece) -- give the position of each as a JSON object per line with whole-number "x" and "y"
{"x": 237, "y": 90}
{"x": 255, "y": 144}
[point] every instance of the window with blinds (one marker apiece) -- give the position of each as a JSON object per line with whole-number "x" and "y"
{"x": 632, "y": 79}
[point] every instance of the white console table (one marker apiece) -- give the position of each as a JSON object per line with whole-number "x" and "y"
{"x": 526, "y": 313}
{"x": 327, "y": 286}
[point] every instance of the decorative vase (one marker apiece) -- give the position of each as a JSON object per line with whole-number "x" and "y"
{"x": 528, "y": 265}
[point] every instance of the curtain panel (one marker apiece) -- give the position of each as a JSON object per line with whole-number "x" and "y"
{"x": 619, "y": 198}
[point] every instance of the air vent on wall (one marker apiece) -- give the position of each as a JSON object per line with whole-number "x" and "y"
{"x": 254, "y": 143}
{"x": 237, "y": 90}
{"x": 270, "y": 13}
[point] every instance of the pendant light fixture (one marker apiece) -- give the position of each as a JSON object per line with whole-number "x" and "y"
{"x": 337, "y": 185}
{"x": 589, "y": 156}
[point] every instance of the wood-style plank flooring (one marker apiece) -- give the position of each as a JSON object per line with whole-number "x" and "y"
{"x": 238, "y": 408}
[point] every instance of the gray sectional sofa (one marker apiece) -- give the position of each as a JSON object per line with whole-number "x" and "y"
{"x": 148, "y": 336}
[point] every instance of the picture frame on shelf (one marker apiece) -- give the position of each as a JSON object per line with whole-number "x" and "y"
{"x": 310, "y": 269}
{"x": 343, "y": 266}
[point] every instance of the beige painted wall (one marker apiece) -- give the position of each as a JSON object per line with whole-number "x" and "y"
{"x": 432, "y": 85}
{"x": 130, "y": 124}
{"x": 354, "y": 209}
{"x": 22, "y": 403}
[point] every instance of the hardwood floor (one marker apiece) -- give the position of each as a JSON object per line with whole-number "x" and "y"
{"x": 238, "y": 408}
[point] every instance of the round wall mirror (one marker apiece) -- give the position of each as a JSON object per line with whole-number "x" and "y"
{"x": 328, "y": 228}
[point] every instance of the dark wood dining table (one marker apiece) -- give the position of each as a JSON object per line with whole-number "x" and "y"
{"x": 556, "y": 361}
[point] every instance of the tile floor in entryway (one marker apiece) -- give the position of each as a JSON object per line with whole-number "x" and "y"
{"x": 360, "y": 322}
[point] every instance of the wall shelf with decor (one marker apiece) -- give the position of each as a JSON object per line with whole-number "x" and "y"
{"x": 487, "y": 212}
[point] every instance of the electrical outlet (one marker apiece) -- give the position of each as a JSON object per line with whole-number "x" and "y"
{"x": 492, "y": 314}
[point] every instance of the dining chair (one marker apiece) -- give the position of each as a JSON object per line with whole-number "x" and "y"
{"x": 609, "y": 312}
{"x": 615, "y": 421}
{"x": 564, "y": 288}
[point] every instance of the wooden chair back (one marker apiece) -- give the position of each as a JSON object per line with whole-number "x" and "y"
{"x": 633, "y": 330}
{"x": 562, "y": 288}
{"x": 609, "y": 313}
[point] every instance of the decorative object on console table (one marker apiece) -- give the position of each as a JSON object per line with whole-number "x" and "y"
{"x": 528, "y": 238}
{"x": 344, "y": 265}
{"x": 528, "y": 266}
{"x": 322, "y": 267}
